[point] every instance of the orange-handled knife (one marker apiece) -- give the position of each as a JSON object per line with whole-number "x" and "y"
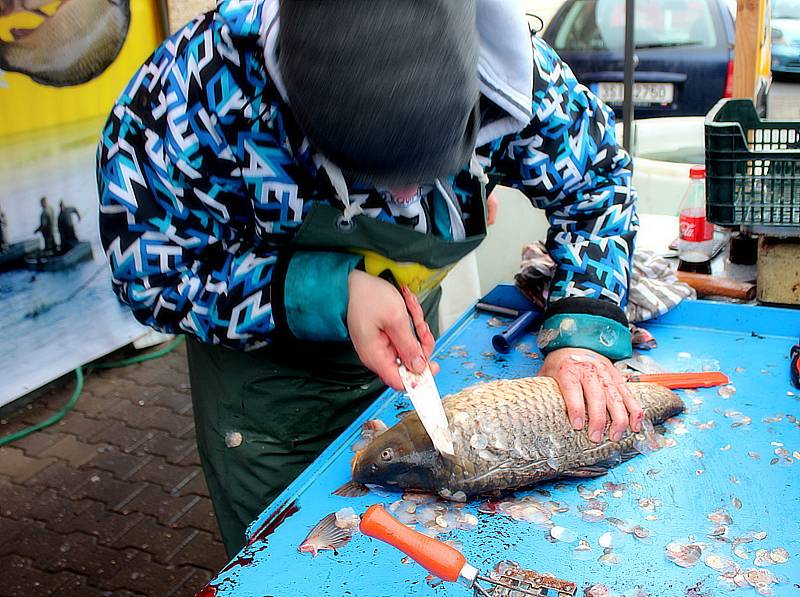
{"x": 683, "y": 381}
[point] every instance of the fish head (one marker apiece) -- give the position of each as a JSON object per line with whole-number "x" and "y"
{"x": 402, "y": 457}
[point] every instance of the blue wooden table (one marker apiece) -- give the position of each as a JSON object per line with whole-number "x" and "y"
{"x": 720, "y": 460}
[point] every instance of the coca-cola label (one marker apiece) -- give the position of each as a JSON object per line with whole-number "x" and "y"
{"x": 695, "y": 229}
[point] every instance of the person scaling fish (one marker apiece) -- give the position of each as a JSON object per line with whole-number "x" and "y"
{"x": 318, "y": 169}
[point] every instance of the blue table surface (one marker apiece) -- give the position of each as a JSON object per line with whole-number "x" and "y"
{"x": 750, "y": 344}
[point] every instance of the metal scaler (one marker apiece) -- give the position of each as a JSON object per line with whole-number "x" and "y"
{"x": 450, "y": 565}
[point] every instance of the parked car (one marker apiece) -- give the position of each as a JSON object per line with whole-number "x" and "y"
{"x": 786, "y": 37}
{"x": 541, "y": 12}
{"x": 684, "y": 52}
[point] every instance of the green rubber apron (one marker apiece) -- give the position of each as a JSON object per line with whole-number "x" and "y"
{"x": 263, "y": 416}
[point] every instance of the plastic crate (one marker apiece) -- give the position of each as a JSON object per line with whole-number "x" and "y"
{"x": 752, "y": 167}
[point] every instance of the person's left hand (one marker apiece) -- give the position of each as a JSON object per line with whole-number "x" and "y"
{"x": 591, "y": 384}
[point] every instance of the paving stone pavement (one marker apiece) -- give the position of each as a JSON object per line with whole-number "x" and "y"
{"x": 111, "y": 500}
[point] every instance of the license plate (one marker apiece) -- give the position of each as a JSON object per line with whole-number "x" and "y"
{"x": 643, "y": 93}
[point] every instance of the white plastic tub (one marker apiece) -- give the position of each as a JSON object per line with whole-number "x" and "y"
{"x": 663, "y": 151}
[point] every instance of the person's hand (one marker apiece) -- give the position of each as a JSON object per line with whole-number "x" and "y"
{"x": 380, "y": 328}
{"x": 492, "y": 206}
{"x": 591, "y": 384}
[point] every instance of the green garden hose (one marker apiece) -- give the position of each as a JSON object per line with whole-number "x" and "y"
{"x": 4, "y": 441}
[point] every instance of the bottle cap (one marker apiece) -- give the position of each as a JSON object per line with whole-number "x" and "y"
{"x": 697, "y": 172}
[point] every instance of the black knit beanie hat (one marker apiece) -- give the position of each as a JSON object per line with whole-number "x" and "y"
{"x": 385, "y": 89}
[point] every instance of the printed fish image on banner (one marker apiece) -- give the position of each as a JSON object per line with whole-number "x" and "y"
{"x": 68, "y": 45}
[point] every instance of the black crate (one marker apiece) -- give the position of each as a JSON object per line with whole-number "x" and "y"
{"x": 752, "y": 167}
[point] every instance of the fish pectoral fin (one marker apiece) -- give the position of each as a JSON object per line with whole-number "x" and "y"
{"x": 585, "y": 472}
{"x": 616, "y": 459}
{"x": 325, "y": 535}
{"x": 352, "y": 489}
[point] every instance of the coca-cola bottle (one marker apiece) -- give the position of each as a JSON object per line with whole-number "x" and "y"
{"x": 696, "y": 241}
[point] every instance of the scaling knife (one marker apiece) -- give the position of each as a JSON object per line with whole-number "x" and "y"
{"x": 422, "y": 390}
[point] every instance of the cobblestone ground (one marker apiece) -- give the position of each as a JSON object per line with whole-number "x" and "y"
{"x": 111, "y": 500}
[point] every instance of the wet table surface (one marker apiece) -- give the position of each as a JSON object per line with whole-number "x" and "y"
{"x": 738, "y": 453}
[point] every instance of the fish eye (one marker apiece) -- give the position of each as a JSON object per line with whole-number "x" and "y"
{"x": 387, "y": 454}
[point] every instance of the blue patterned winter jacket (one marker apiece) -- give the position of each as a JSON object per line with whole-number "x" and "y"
{"x": 204, "y": 177}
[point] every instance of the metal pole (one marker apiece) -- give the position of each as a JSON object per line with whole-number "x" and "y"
{"x": 163, "y": 17}
{"x": 630, "y": 51}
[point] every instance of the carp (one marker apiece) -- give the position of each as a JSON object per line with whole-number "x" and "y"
{"x": 508, "y": 434}
{"x": 71, "y": 46}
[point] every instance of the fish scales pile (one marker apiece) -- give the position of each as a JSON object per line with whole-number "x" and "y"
{"x": 507, "y": 434}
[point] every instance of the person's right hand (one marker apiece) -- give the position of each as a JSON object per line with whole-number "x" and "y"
{"x": 380, "y": 328}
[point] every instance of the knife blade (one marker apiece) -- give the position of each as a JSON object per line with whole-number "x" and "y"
{"x": 643, "y": 363}
{"x": 424, "y": 395}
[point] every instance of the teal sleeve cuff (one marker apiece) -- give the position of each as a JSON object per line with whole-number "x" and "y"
{"x": 579, "y": 330}
{"x": 315, "y": 295}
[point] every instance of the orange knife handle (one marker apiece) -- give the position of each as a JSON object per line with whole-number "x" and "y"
{"x": 678, "y": 381}
{"x": 438, "y": 558}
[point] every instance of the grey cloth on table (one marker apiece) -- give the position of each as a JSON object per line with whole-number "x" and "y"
{"x": 654, "y": 288}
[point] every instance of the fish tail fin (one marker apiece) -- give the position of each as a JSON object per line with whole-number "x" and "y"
{"x": 326, "y": 535}
{"x": 352, "y": 489}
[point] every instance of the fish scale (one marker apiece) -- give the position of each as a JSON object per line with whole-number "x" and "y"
{"x": 526, "y": 413}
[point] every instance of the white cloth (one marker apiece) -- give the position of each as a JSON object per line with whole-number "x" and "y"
{"x": 505, "y": 65}
{"x": 654, "y": 289}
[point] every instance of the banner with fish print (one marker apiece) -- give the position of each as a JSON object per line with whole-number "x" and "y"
{"x": 62, "y": 65}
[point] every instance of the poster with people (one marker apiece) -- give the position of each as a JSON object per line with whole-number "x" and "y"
{"x": 62, "y": 65}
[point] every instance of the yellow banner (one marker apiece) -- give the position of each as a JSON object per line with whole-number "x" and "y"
{"x": 51, "y": 51}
